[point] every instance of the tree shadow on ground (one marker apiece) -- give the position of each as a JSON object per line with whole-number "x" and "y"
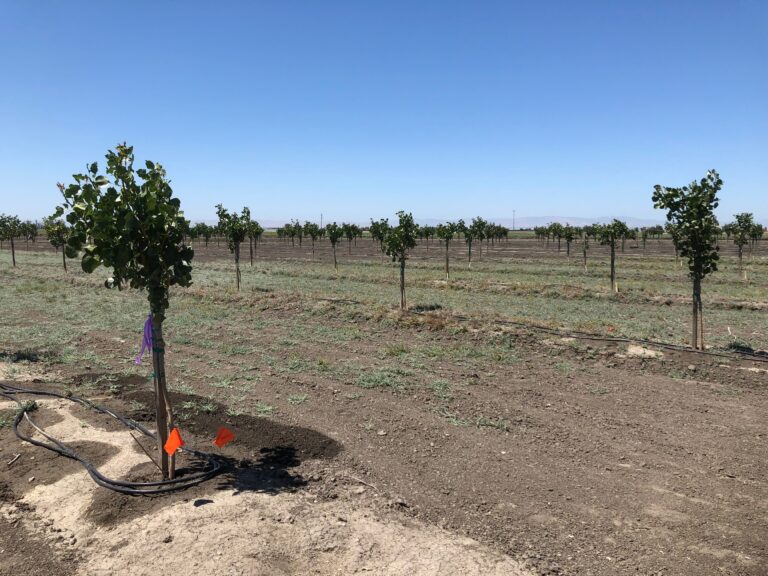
{"x": 262, "y": 458}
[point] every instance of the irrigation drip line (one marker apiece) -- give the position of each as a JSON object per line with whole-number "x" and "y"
{"x": 214, "y": 466}
{"x": 753, "y": 356}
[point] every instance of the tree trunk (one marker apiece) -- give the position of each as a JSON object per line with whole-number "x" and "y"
{"x": 614, "y": 286}
{"x": 64, "y": 260}
{"x": 568, "y": 248}
{"x": 741, "y": 264}
{"x": 402, "y": 284}
{"x": 697, "y": 321}
{"x": 162, "y": 401}
{"x": 250, "y": 246}
{"x": 447, "y": 272}
{"x": 13, "y": 253}
{"x": 558, "y": 244}
{"x": 335, "y": 263}
{"x": 584, "y": 251}
{"x": 469, "y": 244}
{"x": 349, "y": 247}
{"x": 237, "y": 264}
{"x": 313, "y": 248}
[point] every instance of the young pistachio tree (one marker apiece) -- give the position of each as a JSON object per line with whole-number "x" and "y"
{"x": 57, "y": 232}
{"x": 378, "y": 230}
{"x": 741, "y": 229}
{"x": 446, "y": 232}
{"x": 692, "y": 210}
{"x": 314, "y": 232}
{"x": 202, "y": 230}
{"x": 398, "y": 242}
{"x": 29, "y": 230}
{"x": 234, "y": 227}
{"x": 10, "y": 228}
{"x": 427, "y": 232}
{"x": 608, "y": 235}
{"x": 350, "y": 231}
{"x": 585, "y": 233}
{"x": 556, "y": 231}
{"x": 478, "y": 231}
{"x": 334, "y": 233}
{"x": 569, "y": 235}
{"x": 130, "y": 222}
{"x": 254, "y": 235}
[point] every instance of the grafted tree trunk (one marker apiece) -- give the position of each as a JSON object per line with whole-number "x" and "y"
{"x": 162, "y": 401}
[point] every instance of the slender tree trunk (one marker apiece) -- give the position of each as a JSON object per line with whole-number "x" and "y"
{"x": 568, "y": 248}
{"x": 237, "y": 264}
{"x": 584, "y": 252}
{"x": 349, "y": 247}
{"x": 64, "y": 260}
{"x": 614, "y": 286}
{"x": 162, "y": 400}
{"x": 335, "y": 263}
{"x": 469, "y": 256}
{"x": 558, "y": 244}
{"x": 447, "y": 272}
{"x": 402, "y": 284}
{"x": 13, "y": 253}
{"x": 250, "y": 246}
{"x": 741, "y": 264}
{"x": 697, "y": 322}
{"x": 313, "y": 248}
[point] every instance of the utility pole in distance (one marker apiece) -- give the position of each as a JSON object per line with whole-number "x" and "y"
{"x": 513, "y": 219}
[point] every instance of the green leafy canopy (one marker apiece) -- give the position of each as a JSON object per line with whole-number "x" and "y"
{"x": 129, "y": 221}
{"x": 690, "y": 211}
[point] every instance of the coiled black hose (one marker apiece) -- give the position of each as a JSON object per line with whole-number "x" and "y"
{"x": 214, "y": 466}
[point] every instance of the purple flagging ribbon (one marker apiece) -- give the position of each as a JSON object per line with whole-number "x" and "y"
{"x": 146, "y": 342}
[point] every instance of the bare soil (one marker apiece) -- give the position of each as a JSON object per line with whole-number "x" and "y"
{"x": 581, "y": 457}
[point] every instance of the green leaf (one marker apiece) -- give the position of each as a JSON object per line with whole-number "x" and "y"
{"x": 90, "y": 263}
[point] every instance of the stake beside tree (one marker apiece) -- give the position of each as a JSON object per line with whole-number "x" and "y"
{"x": 691, "y": 210}
{"x": 133, "y": 225}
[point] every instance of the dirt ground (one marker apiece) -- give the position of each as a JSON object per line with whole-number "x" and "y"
{"x": 610, "y": 467}
{"x": 457, "y": 448}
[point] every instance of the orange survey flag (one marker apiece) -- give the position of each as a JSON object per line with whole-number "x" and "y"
{"x": 224, "y": 437}
{"x": 174, "y": 442}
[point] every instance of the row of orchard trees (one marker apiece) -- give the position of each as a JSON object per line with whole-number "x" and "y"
{"x": 129, "y": 221}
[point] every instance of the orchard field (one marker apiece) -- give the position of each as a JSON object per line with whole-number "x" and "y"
{"x": 510, "y": 421}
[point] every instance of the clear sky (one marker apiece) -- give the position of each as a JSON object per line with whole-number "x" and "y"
{"x": 359, "y": 109}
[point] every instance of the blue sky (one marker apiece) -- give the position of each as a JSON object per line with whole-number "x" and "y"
{"x": 360, "y": 109}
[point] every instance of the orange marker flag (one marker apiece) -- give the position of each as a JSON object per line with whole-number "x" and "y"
{"x": 224, "y": 437}
{"x": 174, "y": 442}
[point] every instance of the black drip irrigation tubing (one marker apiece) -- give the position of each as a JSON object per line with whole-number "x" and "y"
{"x": 214, "y": 467}
{"x": 752, "y": 356}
